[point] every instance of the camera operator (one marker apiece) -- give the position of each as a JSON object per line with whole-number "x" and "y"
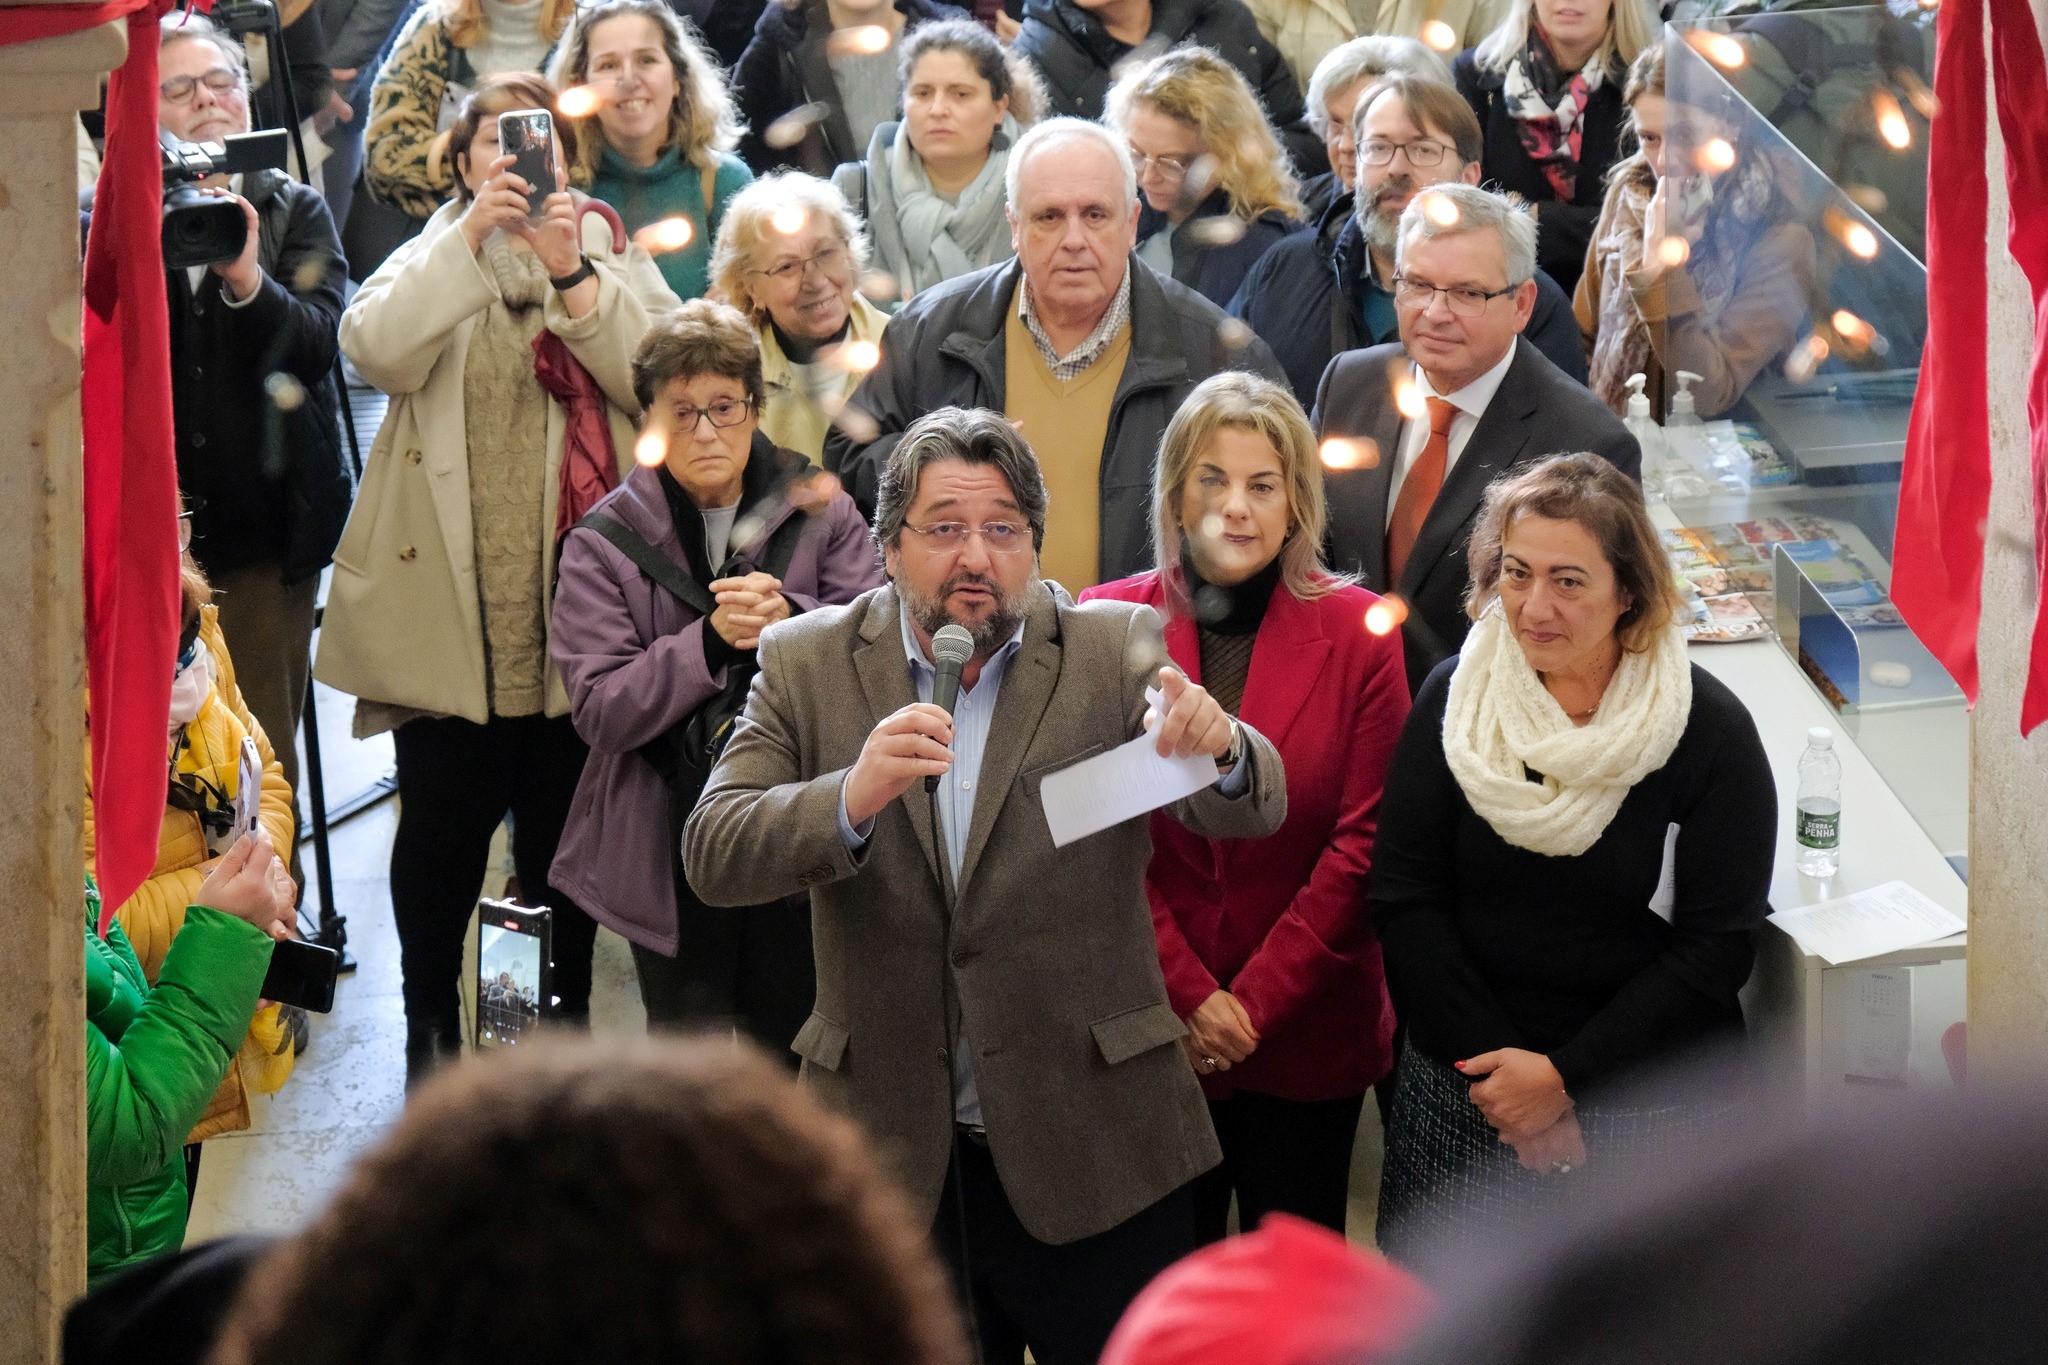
{"x": 252, "y": 355}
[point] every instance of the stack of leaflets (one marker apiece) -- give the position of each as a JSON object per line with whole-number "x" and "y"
{"x": 1724, "y": 573}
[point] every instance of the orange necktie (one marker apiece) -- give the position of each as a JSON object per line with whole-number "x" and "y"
{"x": 1419, "y": 490}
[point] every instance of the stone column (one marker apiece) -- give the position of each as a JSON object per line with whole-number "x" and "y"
{"x": 2009, "y": 779}
{"x": 42, "y": 656}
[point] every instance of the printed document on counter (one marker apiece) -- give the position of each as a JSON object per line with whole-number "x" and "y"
{"x": 1870, "y": 923}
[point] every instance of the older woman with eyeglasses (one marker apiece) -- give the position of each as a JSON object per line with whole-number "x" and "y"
{"x": 790, "y": 255}
{"x": 665, "y": 591}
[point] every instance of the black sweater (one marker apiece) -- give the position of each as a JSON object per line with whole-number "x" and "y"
{"x": 1489, "y": 946}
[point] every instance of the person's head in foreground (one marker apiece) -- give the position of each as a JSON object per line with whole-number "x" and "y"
{"x": 615, "y": 1200}
{"x": 1911, "y": 1233}
{"x": 1292, "y": 1293}
{"x": 960, "y": 515}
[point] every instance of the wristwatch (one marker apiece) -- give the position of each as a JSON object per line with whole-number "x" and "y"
{"x": 565, "y": 283}
{"x": 1235, "y": 754}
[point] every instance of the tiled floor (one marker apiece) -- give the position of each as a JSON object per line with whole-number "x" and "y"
{"x": 350, "y": 1083}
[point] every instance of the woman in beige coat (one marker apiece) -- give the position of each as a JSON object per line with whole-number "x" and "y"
{"x": 437, "y": 617}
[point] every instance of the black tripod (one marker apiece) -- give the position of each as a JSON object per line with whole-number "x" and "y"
{"x": 243, "y": 18}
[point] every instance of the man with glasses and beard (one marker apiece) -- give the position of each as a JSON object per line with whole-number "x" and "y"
{"x": 991, "y": 1008}
{"x": 1320, "y": 293}
{"x": 1434, "y": 418}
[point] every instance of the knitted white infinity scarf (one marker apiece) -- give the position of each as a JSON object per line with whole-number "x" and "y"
{"x": 1499, "y": 719}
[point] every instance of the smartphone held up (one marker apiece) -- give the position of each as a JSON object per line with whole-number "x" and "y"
{"x": 528, "y": 137}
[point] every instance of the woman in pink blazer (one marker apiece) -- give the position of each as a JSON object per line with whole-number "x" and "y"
{"x": 1265, "y": 943}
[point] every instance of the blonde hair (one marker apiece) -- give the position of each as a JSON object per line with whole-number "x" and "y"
{"x": 1201, "y": 90}
{"x": 1245, "y": 402}
{"x": 749, "y": 223}
{"x": 701, "y": 120}
{"x": 1630, "y": 29}
{"x": 465, "y": 22}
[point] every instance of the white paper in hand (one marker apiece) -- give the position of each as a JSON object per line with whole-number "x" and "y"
{"x": 1128, "y": 781}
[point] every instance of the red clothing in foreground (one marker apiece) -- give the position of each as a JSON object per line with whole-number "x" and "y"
{"x": 1291, "y": 1293}
{"x": 1280, "y": 922}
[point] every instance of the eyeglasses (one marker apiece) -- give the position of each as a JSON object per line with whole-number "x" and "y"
{"x": 1001, "y": 537}
{"x": 726, "y": 412}
{"x": 830, "y": 262}
{"x": 1421, "y": 152}
{"x": 1463, "y": 300}
{"x": 1172, "y": 167}
{"x": 184, "y": 532}
{"x": 220, "y": 80}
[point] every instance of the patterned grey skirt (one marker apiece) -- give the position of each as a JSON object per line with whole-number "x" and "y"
{"x": 1448, "y": 1176}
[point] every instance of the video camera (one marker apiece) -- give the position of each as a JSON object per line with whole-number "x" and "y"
{"x": 200, "y": 228}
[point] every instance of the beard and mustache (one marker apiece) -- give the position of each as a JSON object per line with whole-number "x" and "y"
{"x": 989, "y": 632}
{"x": 1383, "y": 229}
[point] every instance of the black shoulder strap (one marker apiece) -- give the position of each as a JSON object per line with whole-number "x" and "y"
{"x": 680, "y": 585}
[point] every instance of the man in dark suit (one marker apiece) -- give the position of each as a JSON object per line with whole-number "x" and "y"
{"x": 990, "y": 1007}
{"x": 1429, "y": 423}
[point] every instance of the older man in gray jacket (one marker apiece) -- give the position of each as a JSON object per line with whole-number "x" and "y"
{"x": 1078, "y": 341}
{"x": 989, "y": 1006}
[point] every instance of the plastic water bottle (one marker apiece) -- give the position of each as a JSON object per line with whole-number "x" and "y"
{"x": 1818, "y": 816}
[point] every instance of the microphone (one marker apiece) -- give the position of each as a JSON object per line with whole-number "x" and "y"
{"x": 952, "y": 647}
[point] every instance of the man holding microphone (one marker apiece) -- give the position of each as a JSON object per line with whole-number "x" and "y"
{"x": 990, "y": 1007}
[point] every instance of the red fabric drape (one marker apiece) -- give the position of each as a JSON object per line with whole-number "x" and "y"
{"x": 2022, "y": 81}
{"x": 1945, "y": 485}
{"x": 590, "y": 462}
{"x": 131, "y": 479}
{"x": 1945, "y": 490}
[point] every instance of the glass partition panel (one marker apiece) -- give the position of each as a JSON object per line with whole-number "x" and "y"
{"x": 1783, "y": 292}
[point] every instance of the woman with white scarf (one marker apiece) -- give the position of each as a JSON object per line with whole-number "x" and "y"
{"x": 1574, "y": 852}
{"x": 932, "y": 188}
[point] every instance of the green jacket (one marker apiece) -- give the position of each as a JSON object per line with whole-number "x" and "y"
{"x": 153, "y": 1058}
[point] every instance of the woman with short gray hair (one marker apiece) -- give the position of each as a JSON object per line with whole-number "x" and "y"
{"x": 791, "y": 255}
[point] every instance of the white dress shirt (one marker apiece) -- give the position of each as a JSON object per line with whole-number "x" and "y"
{"x": 1470, "y": 402}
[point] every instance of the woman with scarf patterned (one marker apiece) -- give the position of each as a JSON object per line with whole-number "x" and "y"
{"x": 1689, "y": 270}
{"x": 1546, "y": 86}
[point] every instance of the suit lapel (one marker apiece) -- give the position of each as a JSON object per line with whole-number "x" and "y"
{"x": 1497, "y": 442}
{"x": 1364, "y": 492}
{"x": 885, "y": 680}
{"x": 1287, "y": 659}
{"x": 1026, "y": 691}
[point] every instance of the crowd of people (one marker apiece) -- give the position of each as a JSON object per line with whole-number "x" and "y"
{"x": 1248, "y": 373}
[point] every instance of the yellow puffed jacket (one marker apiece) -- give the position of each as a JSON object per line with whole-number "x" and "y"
{"x": 155, "y": 913}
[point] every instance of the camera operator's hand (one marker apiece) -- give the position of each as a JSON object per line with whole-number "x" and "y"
{"x": 242, "y": 884}
{"x": 500, "y": 203}
{"x": 243, "y": 276}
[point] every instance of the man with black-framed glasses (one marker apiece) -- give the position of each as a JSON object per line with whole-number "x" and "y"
{"x": 1423, "y": 425}
{"x": 1320, "y": 293}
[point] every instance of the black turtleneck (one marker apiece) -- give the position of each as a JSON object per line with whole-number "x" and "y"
{"x": 1227, "y": 625}
{"x": 801, "y": 352}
